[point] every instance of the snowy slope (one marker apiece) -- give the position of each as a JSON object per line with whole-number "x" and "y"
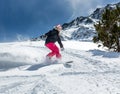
{"x": 94, "y": 70}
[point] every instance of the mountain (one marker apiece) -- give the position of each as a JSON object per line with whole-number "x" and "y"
{"x": 82, "y": 28}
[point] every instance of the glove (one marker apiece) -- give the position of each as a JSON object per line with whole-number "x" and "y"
{"x": 62, "y": 49}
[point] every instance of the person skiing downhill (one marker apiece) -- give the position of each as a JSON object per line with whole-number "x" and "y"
{"x": 51, "y": 37}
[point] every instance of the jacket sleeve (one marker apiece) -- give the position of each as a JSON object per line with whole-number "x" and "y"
{"x": 60, "y": 43}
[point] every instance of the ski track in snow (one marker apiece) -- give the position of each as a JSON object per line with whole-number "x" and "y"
{"x": 28, "y": 85}
{"x": 92, "y": 72}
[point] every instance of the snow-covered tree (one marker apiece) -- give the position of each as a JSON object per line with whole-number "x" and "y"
{"x": 108, "y": 29}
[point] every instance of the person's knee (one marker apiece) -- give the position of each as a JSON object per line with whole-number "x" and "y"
{"x": 58, "y": 56}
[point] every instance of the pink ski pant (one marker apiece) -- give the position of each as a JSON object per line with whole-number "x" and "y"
{"x": 54, "y": 50}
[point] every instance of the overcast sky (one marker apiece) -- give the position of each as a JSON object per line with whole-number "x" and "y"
{"x": 31, "y": 18}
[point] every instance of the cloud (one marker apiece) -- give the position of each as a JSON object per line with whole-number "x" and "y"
{"x": 22, "y": 38}
{"x": 83, "y": 7}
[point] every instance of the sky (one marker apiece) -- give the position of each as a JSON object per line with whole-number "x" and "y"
{"x": 24, "y": 19}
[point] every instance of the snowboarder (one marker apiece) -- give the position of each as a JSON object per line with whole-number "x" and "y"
{"x": 51, "y": 37}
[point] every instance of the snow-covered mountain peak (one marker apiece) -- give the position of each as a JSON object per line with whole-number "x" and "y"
{"x": 79, "y": 29}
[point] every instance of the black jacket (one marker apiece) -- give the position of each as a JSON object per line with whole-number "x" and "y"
{"x": 53, "y": 36}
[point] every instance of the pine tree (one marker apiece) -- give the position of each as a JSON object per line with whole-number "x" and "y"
{"x": 108, "y": 29}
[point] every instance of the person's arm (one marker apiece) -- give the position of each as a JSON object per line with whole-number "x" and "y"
{"x": 60, "y": 43}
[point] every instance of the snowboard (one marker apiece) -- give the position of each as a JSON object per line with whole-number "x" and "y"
{"x": 66, "y": 64}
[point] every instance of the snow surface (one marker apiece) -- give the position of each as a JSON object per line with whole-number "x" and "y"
{"x": 94, "y": 70}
